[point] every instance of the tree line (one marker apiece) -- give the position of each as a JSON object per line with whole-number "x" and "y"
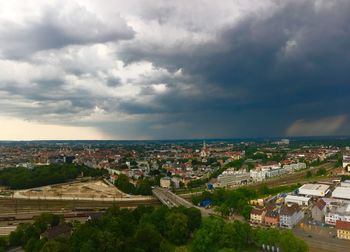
{"x": 142, "y": 187}
{"x": 23, "y": 178}
{"x": 148, "y": 229}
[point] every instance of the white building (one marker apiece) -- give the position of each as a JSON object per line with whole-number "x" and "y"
{"x": 294, "y": 167}
{"x": 231, "y": 177}
{"x": 258, "y": 175}
{"x": 337, "y": 212}
{"x": 345, "y": 183}
{"x": 290, "y": 215}
{"x": 266, "y": 171}
{"x": 346, "y": 162}
{"x": 300, "y": 200}
{"x": 342, "y": 192}
{"x": 315, "y": 190}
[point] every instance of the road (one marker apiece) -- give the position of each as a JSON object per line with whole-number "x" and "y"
{"x": 170, "y": 199}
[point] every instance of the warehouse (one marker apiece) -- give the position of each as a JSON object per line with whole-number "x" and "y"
{"x": 300, "y": 200}
{"x": 341, "y": 193}
{"x": 315, "y": 190}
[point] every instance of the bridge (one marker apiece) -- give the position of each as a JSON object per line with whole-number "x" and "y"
{"x": 169, "y": 198}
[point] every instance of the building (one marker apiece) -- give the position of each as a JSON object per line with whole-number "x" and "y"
{"x": 345, "y": 183}
{"x": 285, "y": 141}
{"x": 294, "y": 167}
{"x": 266, "y": 171}
{"x": 346, "y": 162}
{"x": 318, "y": 210}
{"x": 165, "y": 182}
{"x": 290, "y": 215}
{"x": 272, "y": 218}
{"x": 343, "y": 229}
{"x": 340, "y": 211}
{"x": 314, "y": 190}
{"x": 231, "y": 177}
{"x": 341, "y": 192}
{"x": 205, "y": 151}
{"x": 257, "y": 216}
{"x": 300, "y": 200}
{"x": 258, "y": 175}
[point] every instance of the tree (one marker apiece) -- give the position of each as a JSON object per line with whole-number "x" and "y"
{"x": 54, "y": 246}
{"x": 246, "y": 211}
{"x": 308, "y": 174}
{"x": 194, "y": 218}
{"x": 290, "y": 243}
{"x": 45, "y": 220}
{"x": 144, "y": 187}
{"x": 177, "y": 227}
{"x": 124, "y": 185}
{"x": 148, "y": 238}
{"x": 223, "y": 209}
{"x": 321, "y": 172}
{"x": 207, "y": 238}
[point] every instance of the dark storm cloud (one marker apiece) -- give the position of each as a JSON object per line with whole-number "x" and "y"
{"x": 169, "y": 71}
{"x": 267, "y": 71}
{"x": 57, "y": 28}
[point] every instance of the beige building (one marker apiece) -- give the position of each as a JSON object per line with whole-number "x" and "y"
{"x": 343, "y": 229}
{"x": 165, "y": 182}
{"x": 257, "y": 216}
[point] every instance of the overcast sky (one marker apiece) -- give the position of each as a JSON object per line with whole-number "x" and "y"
{"x": 174, "y": 69}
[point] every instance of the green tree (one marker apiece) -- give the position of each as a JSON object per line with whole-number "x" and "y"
{"x": 124, "y": 185}
{"x": 207, "y": 238}
{"x": 148, "y": 238}
{"x": 54, "y": 246}
{"x": 223, "y": 209}
{"x": 290, "y": 243}
{"x": 321, "y": 172}
{"x": 308, "y": 174}
{"x": 177, "y": 227}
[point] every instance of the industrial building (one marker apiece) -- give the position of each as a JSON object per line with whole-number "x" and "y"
{"x": 341, "y": 192}
{"x": 314, "y": 190}
{"x": 300, "y": 200}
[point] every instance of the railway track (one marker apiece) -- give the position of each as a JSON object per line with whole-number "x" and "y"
{"x": 14, "y": 206}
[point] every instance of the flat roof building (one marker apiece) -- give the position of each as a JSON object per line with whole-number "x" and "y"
{"x": 300, "y": 200}
{"x": 341, "y": 192}
{"x": 315, "y": 190}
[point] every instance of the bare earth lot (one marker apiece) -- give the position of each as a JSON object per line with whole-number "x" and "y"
{"x": 97, "y": 189}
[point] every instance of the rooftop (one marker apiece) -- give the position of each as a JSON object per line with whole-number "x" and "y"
{"x": 289, "y": 209}
{"x": 317, "y": 187}
{"x": 341, "y": 192}
{"x": 343, "y": 225}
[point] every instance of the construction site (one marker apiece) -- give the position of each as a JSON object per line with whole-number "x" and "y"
{"x": 93, "y": 190}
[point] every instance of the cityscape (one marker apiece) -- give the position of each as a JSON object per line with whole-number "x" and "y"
{"x": 297, "y": 184}
{"x": 174, "y": 126}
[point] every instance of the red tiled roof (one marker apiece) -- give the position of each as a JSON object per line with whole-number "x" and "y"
{"x": 289, "y": 210}
{"x": 257, "y": 211}
{"x": 343, "y": 225}
{"x": 321, "y": 204}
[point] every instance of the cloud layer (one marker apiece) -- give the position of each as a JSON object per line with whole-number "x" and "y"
{"x": 178, "y": 70}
